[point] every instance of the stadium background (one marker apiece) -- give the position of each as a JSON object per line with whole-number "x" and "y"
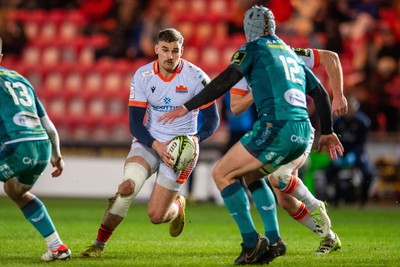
{"x": 81, "y": 55}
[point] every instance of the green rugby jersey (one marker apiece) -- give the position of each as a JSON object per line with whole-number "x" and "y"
{"x": 278, "y": 78}
{"x": 20, "y": 109}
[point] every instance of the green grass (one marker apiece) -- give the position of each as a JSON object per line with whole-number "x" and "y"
{"x": 370, "y": 237}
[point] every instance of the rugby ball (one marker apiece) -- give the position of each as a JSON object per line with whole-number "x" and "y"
{"x": 183, "y": 149}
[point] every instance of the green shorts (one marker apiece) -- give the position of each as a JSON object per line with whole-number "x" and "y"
{"x": 277, "y": 143}
{"x": 24, "y": 160}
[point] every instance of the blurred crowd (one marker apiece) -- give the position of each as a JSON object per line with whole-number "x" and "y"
{"x": 365, "y": 34}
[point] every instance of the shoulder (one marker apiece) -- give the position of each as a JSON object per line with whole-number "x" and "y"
{"x": 145, "y": 71}
{"x": 14, "y": 76}
{"x": 194, "y": 71}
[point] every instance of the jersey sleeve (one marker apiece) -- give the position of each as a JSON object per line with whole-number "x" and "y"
{"x": 240, "y": 88}
{"x": 242, "y": 59}
{"x": 311, "y": 80}
{"x": 137, "y": 96}
{"x": 40, "y": 109}
{"x": 204, "y": 80}
{"x": 309, "y": 56}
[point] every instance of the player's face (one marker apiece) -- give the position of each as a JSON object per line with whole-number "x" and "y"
{"x": 169, "y": 55}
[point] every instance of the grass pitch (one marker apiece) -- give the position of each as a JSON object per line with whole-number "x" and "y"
{"x": 370, "y": 237}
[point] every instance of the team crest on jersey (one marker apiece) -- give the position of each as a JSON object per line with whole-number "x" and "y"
{"x": 238, "y": 58}
{"x": 181, "y": 89}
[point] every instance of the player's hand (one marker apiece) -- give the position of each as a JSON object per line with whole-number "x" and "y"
{"x": 59, "y": 165}
{"x": 332, "y": 145}
{"x": 169, "y": 117}
{"x": 161, "y": 149}
{"x": 196, "y": 143}
{"x": 339, "y": 106}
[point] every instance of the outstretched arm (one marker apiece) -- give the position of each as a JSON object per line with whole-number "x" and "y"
{"x": 216, "y": 88}
{"x": 328, "y": 139}
{"x": 330, "y": 60}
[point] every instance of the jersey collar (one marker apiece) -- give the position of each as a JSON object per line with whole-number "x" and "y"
{"x": 177, "y": 70}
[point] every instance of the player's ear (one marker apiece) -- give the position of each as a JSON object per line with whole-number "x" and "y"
{"x": 156, "y": 49}
{"x": 182, "y": 49}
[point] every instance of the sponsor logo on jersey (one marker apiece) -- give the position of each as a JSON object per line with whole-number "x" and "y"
{"x": 164, "y": 108}
{"x": 32, "y": 162}
{"x": 147, "y": 73}
{"x": 238, "y": 57}
{"x": 298, "y": 139}
{"x": 181, "y": 89}
{"x": 276, "y": 44}
{"x": 6, "y": 171}
{"x": 153, "y": 88}
{"x": 26, "y": 119}
{"x": 295, "y": 97}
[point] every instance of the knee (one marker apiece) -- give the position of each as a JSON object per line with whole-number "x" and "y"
{"x": 126, "y": 188}
{"x": 155, "y": 216}
{"x": 14, "y": 190}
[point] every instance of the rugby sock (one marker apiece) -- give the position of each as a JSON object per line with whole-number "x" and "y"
{"x": 264, "y": 199}
{"x": 35, "y": 212}
{"x": 303, "y": 216}
{"x": 53, "y": 241}
{"x": 103, "y": 235}
{"x": 238, "y": 205}
{"x": 296, "y": 188}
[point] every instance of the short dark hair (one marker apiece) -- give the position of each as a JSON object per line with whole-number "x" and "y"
{"x": 170, "y": 35}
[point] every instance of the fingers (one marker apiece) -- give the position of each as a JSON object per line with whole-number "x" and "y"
{"x": 56, "y": 173}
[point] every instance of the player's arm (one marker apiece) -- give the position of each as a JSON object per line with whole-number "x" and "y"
{"x": 330, "y": 60}
{"x": 210, "y": 123}
{"x": 328, "y": 139}
{"x": 56, "y": 157}
{"x": 240, "y": 103}
{"x": 138, "y": 130}
{"x": 216, "y": 88}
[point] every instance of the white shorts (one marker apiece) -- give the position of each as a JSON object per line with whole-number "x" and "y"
{"x": 165, "y": 177}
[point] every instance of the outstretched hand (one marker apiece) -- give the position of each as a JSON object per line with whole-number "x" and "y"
{"x": 169, "y": 117}
{"x": 59, "y": 165}
{"x": 332, "y": 144}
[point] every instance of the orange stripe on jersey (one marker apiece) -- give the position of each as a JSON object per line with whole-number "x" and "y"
{"x": 291, "y": 185}
{"x": 207, "y": 105}
{"x": 139, "y": 104}
{"x": 237, "y": 91}
{"x": 317, "y": 60}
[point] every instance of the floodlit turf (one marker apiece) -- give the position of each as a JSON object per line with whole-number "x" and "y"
{"x": 370, "y": 237}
